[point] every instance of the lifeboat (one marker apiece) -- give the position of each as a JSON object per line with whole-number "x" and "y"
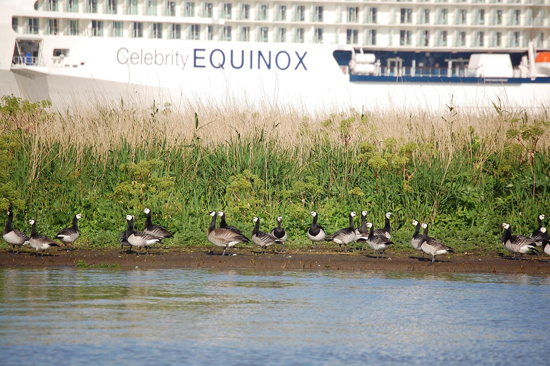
{"x": 542, "y": 64}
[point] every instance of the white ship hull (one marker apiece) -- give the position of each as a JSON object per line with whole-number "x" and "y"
{"x": 290, "y": 75}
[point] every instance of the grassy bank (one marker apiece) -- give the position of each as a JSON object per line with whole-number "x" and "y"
{"x": 464, "y": 173}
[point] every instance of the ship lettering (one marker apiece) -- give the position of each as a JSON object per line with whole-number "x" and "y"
{"x": 173, "y": 58}
{"x": 282, "y": 60}
{"x": 217, "y": 59}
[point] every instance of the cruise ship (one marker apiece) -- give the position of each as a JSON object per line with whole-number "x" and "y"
{"x": 330, "y": 54}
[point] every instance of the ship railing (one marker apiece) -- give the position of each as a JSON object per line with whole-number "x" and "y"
{"x": 421, "y": 71}
{"x": 26, "y": 60}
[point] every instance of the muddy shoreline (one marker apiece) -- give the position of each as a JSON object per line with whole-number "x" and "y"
{"x": 402, "y": 261}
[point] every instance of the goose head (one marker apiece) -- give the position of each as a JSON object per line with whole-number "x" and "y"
{"x": 78, "y": 216}
{"x": 415, "y": 223}
{"x": 505, "y": 226}
{"x": 220, "y": 213}
{"x": 255, "y": 219}
{"x": 31, "y": 222}
{"x": 388, "y": 215}
{"x": 279, "y": 219}
{"x": 364, "y": 213}
{"x": 313, "y": 213}
{"x": 212, "y": 213}
{"x": 369, "y": 225}
{"x": 146, "y": 211}
{"x": 353, "y": 214}
{"x": 542, "y": 217}
{"x": 423, "y": 226}
{"x": 129, "y": 218}
{"x": 543, "y": 230}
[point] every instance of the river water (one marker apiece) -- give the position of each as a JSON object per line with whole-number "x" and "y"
{"x": 152, "y": 317}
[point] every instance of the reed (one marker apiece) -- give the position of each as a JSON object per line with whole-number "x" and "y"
{"x": 463, "y": 171}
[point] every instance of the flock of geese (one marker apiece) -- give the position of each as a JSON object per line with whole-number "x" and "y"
{"x": 227, "y": 236}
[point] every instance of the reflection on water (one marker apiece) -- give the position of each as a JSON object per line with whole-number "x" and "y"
{"x": 244, "y": 317}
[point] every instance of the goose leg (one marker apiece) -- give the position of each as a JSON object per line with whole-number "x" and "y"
{"x": 224, "y": 249}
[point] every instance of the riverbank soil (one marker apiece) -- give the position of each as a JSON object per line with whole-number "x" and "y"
{"x": 402, "y": 261}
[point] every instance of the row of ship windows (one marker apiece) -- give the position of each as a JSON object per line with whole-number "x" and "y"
{"x": 424, "y": 38}
{"x": 353, "y": 14}
{"x": 170, "y": 8}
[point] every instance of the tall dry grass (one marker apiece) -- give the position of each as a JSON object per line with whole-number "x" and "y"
{"x": 104, "y": 128}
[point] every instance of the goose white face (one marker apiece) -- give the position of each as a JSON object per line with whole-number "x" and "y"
{"x": 388, "y": 214}
{"x": 415, "y": 222}
{"x": 255, "y": 219}
{"x": 146, "y": 211}
{"x": 220, "y": 213}
{"x": 31, "y": 222}
{"x": 505, "y": 226}
{"x": 129, "y": 217}
{"x": 9, "y": 212}
{"x": 78, "y": 216}
{"x": 280, "y": 218}
{"x": 424, "y": 226}
{"x": 364, "y": 213}
{"x": 212, "y": 213}
{"x": 542, "y": 217}
{"x": 369, "y": 224}
{"x": 313, "y": 213}
{"x": 543, "y": 230}
{"x": 353, "y": 214}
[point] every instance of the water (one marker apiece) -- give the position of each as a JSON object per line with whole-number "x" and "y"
{"x": 152, "y": 317}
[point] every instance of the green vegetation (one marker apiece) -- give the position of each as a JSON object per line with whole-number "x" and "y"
{"x": 82, "y": 264}
{"x": 463, "y": 174}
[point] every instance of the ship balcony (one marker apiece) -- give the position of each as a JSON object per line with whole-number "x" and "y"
{"x": 28, "y": 65}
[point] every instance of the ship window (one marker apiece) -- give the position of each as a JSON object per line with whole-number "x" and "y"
{"x": 264, "y": 31}
{"x": 226, "y": 33}
{"x": 73, "y": 27}
{"x": 32, "y": 26}
{"x": 132, "y": 7}
{"x": 209, "y": 32}
{"x": 462, "y": 15}
{"x": 318, "y": 16}
{"x": 226, "y": 12}
{"x": 58, "y": 52}
{"x": 371, "y": 37}
{"x": 195, "y": 32}
{"x": 175, "y": 31}
{"x": 138, "y": 30}
{"x": 318, "y": 35}
{"x": 406, "y": 16}
{"x": 282, "y": 12}
{"x": 151, "y": 7}
{"x": 36, "y": 5}
{"x": 208, "y": 10}
{"x": 300, "y": 13}
{"x": 52, "y": 5}
{"x": 426, "y": 38}
{"x": 245, "y": 11}
{"x": 262, "y": 13}
{"x": 116, "y": 29}
{"x": 281, "y": 35}
{"x": 245, "y": 34}
{"x": 189, "y": 10}
{"x": 299, "y": 37}
{"x": 405, "y": 38}
{"x": 72, "y": 6}
{"x": 353, "y": 15}
{"x": 111, "y": 7}
{"x": 170, "y": 8}
{"x": 373, "y": 12}
{"x": 498, "y": 39}
{"x": 53, "y": 27}
{"x": 15, "y": 23}
{"x": 91, "y": 6}
{"x": 157, "y": 30}
{"x": 352, "y": 36}
{"x": 97, "y": 28}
